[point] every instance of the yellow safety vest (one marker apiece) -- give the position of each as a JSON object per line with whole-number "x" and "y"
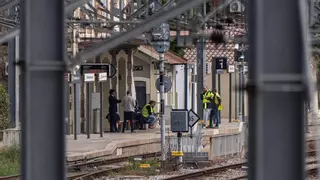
{"x": 205, "y": 97}
{"x": 217, "y": 101}
{"x": 145, "y": 112}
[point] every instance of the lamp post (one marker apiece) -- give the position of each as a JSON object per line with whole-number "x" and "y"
{"x": 161, "y": 43}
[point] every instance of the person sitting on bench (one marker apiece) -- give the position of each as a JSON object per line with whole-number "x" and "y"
{"x": 148, "y": 115}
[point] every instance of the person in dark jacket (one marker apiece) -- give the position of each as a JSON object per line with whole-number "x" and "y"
{"x": 113, "y": 110}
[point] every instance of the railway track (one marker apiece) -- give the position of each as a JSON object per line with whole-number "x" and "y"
{"x": 310, "y": 172}
{"x": 99, "y": 162}
{"x": 208, "y": 171}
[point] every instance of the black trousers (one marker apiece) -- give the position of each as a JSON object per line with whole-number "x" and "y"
{"x": 127, "y": 116}
{"x": 212, "y": 116}
{"x": 113, "y": 122}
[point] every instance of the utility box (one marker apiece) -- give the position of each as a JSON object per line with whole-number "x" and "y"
{"x": 179, "y": 120}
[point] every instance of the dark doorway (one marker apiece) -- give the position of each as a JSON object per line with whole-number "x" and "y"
{"x": 141, "y": 92}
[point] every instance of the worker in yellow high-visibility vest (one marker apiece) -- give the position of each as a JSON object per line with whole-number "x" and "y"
{"x": 206, "y": 97}
{"x": 216, "y": 109}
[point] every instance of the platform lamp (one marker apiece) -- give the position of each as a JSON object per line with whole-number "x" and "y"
{"x": 161, "y": 43}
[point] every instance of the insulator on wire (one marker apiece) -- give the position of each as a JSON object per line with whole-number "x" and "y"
{"x": 218, "y": 37}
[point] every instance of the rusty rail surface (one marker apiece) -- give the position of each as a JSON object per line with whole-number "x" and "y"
{"x": 111, "y": 161}
{"x": 311, "y": 172}
{"x": 206, "y": 171}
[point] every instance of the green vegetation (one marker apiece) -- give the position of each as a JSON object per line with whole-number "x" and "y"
{"x": 4, "y": 109}
{"x": 178, "y": 50}
{"x": 133, "y": 168}
{"x": 9, "y": 161}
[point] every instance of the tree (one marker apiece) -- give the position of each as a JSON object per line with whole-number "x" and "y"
{"x": 4, "y": 108}
{"x": 178, "y": 50}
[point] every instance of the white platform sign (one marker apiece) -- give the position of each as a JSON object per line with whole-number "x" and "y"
{"x": 193, "y": 118}
{"x": 89, "y": 77}
{"x": 103, "y": 76}
{"x": 231, "y": 68}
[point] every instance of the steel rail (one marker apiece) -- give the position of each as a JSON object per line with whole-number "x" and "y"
{"x": 91, "y": 164}
{"x": 111, "y": 161}
{"x": 205, "y": 172}
{"x": 97, "y": 173}
{"x": 310, "y": 171}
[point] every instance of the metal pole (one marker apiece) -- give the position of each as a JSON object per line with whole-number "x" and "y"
{"x": 306, "y": 116}
{"x": 242, "y": 92}
{"x": 75, "y": 114}
{"x": 67, "y": 103}
{"x": 236, "y": 92}
{"x": 43, "y": 154}
{"x": 276, "y": 138}
{"x": 17, "y": 80}
{"x": 162, "y": 103}
{"x": 101, "y": 109}
{"x": 201, "y": 63}
{"x": 76, "y": 104}
{"x": 214, "y": 73}
{"x": 11, "y": 83}
{"x": 193, "y": 89}
{"x": 186, "y": 81}
{"x": 219, "y": 84}
{"x": 179, "y": 135}
{"x": 77, "y": 89}
{"x": 88, "y": 110}
{"x": 230, "y": 96}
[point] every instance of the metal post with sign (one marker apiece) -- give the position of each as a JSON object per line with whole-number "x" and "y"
{"x": 102, "y": 78}
{"x": 179, "y": 124}
{"x": 76, "y": 102}
{"x": 88, "y": 78}
{"x": 161, "y": 43}
{"x": 231, "y": 69}
{"x": 221, "y": 65}
{"x": 95, "y": 100}
{"x": 245, "y": 70}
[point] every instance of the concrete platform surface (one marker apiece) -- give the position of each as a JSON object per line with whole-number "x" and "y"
{"x": 110, "y": 143}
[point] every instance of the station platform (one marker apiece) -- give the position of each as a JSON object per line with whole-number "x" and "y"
{"x": 113, "y": 145}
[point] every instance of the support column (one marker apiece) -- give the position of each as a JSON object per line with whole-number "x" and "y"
{"x": 12, "y": 82}
{"x": 186, "y": 88}
{"x": 201, "y": 63}
{"x": 17, "y": 81}
{"x": 114, "y": 62}
{"x": 277, "y": 65}
{"x": 43, "y": 138}
{"x": 130, "y": 72}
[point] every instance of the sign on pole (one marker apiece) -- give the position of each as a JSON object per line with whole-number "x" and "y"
{"x": 89, "y": 77}
{"x": 221, "y": 63}
{"x": 166, "y": 82}
{"x": 231, "y": 68}
{"x": 103, "y": 76}
{"x": 179, "y": 120}
{"x": 193, "y": 118}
